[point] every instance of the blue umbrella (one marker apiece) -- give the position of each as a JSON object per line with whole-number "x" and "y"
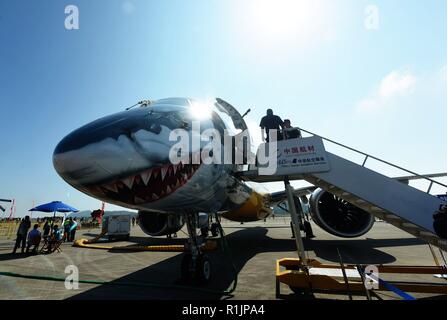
{"x": 55, "y": 206}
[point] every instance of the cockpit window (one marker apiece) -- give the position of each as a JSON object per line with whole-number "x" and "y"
{"x": 174, "y": 101}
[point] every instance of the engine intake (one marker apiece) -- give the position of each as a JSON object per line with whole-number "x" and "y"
{"x": 339, "y": 217}
{"x": 159, "y": 224}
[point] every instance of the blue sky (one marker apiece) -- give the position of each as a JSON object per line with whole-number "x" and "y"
{"x": 382, "y": 91}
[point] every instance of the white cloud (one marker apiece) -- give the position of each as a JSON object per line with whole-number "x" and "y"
{"x": 395, "y": 85}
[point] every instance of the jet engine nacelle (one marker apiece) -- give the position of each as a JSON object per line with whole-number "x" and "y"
{"x": 339, "y": 217}
{"x": 159, "y": 224}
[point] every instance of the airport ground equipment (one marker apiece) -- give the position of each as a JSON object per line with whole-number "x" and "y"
{"x": 117, "y": 226}
{"x": 313, "y": 276}
{"x": 412, "y": 210}
{"x": 295, "y": 220}
{"x": 388, "y": 199}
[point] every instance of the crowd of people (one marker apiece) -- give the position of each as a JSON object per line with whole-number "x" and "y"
{"x": 51, "y": 233}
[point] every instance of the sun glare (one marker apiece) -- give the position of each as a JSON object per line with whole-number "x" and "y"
{"x": 284, "y": 20}
{"x": 201, "y": 110}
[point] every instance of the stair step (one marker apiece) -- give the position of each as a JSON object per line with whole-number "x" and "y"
{"x": 409, "y": 225}
{"x": 392, "y": 217}
{"x": 427, "y": 234}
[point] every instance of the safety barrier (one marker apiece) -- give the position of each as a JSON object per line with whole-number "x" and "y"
{"x": 8, "y": 229}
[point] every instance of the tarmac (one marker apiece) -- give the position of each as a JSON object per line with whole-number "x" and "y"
{"x": 254, "y": 249}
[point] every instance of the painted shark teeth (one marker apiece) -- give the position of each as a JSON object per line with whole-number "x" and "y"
{"x": 128, "y": 182}
{"x": 111, "y": 187}
{"x": 164, "y": 170}
{"x": 146, "y": 176}
{"x": 148, "y": 186}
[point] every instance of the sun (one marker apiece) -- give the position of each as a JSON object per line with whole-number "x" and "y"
{"x": 284, "y": 20}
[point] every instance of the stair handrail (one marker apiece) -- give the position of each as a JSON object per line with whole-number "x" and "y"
{"x": 367, "y": 156}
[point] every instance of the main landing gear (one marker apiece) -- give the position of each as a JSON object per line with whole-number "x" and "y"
{"x": 196, "y": 266}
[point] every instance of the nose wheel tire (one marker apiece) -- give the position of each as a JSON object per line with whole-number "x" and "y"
{"x": 215, "y": 229}
{"x": 198, "y": 273}
{"x": 203, "y": 269}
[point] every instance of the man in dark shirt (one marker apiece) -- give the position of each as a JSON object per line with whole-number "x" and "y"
{"x": 291, "y": 133}
{"x": 24, "y": 226}
{"x": 270, "y": 122}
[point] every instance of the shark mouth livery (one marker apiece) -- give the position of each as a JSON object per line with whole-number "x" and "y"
{"x": 124, "y": 159}
{"x": 148, "y": 186}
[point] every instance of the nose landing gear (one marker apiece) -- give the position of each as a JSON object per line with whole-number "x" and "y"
{"x": 198, "y": 271}
{"x": 196, "y": 266}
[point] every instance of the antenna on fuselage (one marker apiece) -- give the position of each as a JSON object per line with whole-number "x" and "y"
{"x": 143, "y": 103}
{"x": 246, "y": 112}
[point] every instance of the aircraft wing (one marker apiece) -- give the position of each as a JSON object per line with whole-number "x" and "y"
{"x": 277, "y": 197}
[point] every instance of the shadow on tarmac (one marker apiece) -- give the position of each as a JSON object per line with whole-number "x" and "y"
{"x": 161, "y": 280}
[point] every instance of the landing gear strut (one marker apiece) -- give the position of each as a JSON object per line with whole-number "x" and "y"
{"x": 196, "y": 266}
{"x": 215, "y": 229}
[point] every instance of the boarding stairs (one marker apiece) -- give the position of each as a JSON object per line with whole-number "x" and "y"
{"x": 388, "y": 199}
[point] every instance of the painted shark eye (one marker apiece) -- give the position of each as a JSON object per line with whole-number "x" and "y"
{"x": 155, "y": 128}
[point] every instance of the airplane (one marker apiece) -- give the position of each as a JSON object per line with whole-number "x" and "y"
{"x": 4, "y": 200}
{"x": 125, "y": 159}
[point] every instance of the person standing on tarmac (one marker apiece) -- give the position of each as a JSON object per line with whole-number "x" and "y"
{"x": 46, "y": 228}
{"x": 72, "y": 230}
{"x": 22, "y": 232}
{"x": 268, "y": 123}
{"x": 66, "y": 225}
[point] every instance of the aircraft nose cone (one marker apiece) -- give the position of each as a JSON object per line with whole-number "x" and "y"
{"x": 112, "y": 147}
{"x": 71, "y": 159}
